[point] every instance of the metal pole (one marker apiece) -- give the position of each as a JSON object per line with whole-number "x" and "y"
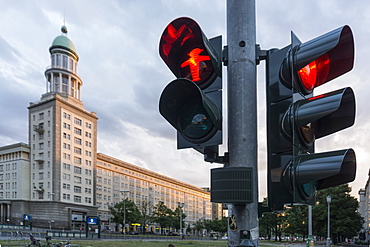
{"x": 242, "y": 110}
{"x": 124, "y": 216}
{"x": 328, "y": 200}
{"x": 310, "y": 240}
{"x": 124, "y": 211}
{"x": 50, "y": 195}
{"x": 180, "y": 205}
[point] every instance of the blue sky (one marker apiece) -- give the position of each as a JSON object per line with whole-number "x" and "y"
{"x": 123, "y": 74}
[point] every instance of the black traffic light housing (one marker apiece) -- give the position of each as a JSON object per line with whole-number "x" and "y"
{"x": 192, "y": 103}
{"x": 295, "y": 119}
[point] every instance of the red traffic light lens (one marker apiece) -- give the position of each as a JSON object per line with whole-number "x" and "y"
{"x": 315, "y": 73}
{"x": 187, "y": 52}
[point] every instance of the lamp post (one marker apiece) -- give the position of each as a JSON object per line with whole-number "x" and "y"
{"x": 50, "y": 194}
{"x": 328, "y": 200}
{"x": 124, "y": 211}
{"x": 180, "y": 205}
{"x": 107, "y": 205}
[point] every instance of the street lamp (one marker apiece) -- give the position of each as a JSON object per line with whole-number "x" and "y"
{"x": 50, "y": 194}
{"x": 124, "y": 210}
{"x": 107, "y": 204}
{"x": 180, "y": 205}
{"x": 328, "y": 200}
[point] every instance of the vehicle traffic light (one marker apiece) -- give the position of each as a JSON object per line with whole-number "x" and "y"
{"x": 192, "y": 104}
{"x": 295, "y": 118}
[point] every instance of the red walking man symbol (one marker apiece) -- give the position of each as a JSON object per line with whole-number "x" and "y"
{"x": 194, "y": 63}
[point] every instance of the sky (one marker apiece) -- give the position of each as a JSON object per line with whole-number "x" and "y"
{"x": 123, "y": 75}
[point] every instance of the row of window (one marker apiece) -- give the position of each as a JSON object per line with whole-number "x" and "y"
{"x": 67, "y": 196}
{"x": 77, "y": 121}
{"x": 8, "y": 167}
{"x": 41, "y": 116}
{"x": 77, "y": 131}
{"x": 12, "y": 194}
{"x": 8, "y": 185}
{"x": 77, "y": 169}
{"x": 64, "y": 61}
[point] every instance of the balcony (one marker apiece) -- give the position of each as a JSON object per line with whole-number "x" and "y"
{"x": 39, "y": 128}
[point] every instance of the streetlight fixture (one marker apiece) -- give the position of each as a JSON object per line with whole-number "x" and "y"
{"x": 328, "y": 200}
{"x": 124, "y": 211}
{"x": 50, "y": 194}
{"x": 180, "y": 205}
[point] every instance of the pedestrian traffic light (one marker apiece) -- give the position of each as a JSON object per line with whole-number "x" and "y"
{"x": 296, "y": 118}
{"x": 192, "y": 104}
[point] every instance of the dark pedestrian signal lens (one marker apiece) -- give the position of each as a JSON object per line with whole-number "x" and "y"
{"x": 194, "y": 121}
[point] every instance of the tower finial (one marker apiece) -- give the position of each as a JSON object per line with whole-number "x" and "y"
{"x": 64, "y": 28}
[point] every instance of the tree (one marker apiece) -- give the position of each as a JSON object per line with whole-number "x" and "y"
{"x": 145, "y": 214}
{"x": 162, "y": 215}
{"x": 267, "y": 224}
{"x": 199, "y": 225}
{"x": 175, "y": 218}
{"x": 132, "y": 212}
{"x": 297, "y": 219}
{"x": 345, "y": 221}
{"x": 220, "y": 225}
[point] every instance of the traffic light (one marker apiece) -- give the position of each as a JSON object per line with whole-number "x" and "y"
{"x": 296, "y": 118}
{"x": 192, "y": 104}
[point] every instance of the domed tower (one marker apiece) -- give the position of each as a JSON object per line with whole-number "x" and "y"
{"x": 61, "y": 76}
{"x": 63, "y": 137}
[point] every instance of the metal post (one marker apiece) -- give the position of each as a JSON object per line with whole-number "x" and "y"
{"x": 310, "y": 240}
{"x": 180, "y": 205}
{"x": 242, "y": 111}
{"x": 124, "y": 211}
{"x": 328, "y": 200}
{"x": 50, "y": 194}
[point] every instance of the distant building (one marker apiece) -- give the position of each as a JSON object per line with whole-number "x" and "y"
{"x": 364, "y": 207}
{"x": 59, "y": 178}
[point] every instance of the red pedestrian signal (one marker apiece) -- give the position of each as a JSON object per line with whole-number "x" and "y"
{"x": 192, "y": 103}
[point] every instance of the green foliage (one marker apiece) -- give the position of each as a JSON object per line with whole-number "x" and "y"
{"x": 166, "y": 217}
{"x": 267, "y": 224}
{"x": 162, "y": 214}
{"x": 297, "y": 219}
{"x": 212, "y": 225}
{"x": 145, "y": 214}
{"x": 345, "y": 221}
{"x": 132, "y": 212}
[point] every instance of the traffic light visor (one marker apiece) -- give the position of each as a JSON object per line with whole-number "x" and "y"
{"x": 320, "y": 60}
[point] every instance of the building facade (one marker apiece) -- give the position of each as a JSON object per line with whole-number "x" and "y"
{"x": 59, "y": 178}
{"x": 364, "y": 208}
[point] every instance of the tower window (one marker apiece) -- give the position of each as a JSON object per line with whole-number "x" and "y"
{"x": 65, "y": 62}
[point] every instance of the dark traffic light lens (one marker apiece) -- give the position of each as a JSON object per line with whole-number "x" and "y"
{"x": 194, "y": 121}
{"x": 309, "y": 189}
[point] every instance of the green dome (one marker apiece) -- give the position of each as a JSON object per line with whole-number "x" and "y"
{"x": 64, "y": 42}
